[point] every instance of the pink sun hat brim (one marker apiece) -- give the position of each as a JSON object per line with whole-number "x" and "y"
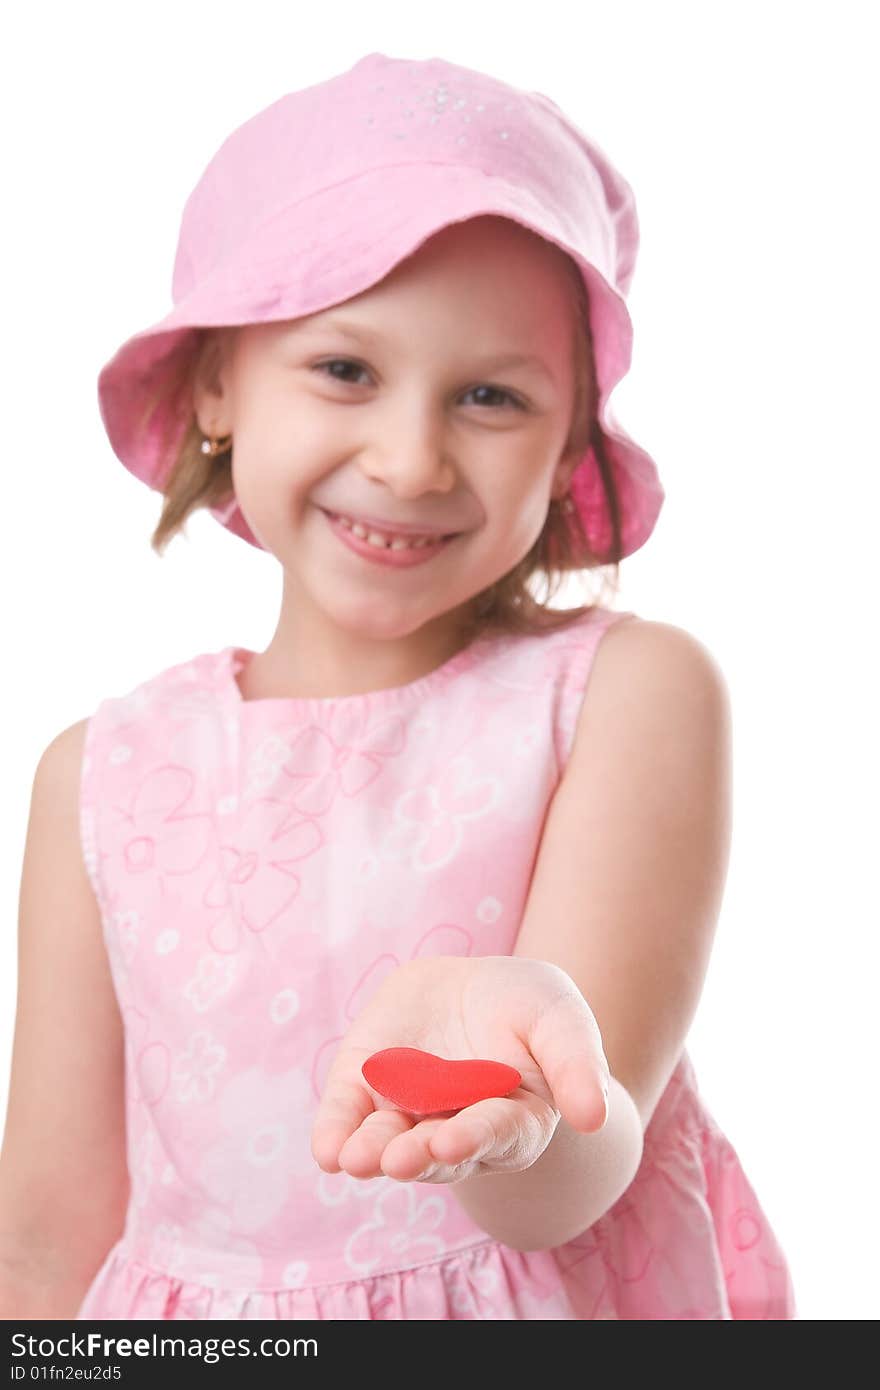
{"x": 324, "y": 248}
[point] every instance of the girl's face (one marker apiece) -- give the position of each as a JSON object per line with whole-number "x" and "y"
{"x": 404, "y": 405}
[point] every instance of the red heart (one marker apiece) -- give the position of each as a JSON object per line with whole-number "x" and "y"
{"x": 424, "y": 1083}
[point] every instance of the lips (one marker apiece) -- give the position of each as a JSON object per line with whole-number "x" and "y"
{"x": 389, "y": 532}
{"x": 393, "y": 557}
{"x": 423, "y": 1083}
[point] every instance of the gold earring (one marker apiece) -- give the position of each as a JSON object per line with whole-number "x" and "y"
{"x": 212, "y": 447}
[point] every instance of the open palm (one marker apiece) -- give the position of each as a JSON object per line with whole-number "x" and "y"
{"x": 527, "y": 1013}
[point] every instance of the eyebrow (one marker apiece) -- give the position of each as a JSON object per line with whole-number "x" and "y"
{"x": 366, "y": 335}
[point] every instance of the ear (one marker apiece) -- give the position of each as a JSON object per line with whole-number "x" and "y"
{"x": 562, "y": 477}
{"x": 211, "y": 382}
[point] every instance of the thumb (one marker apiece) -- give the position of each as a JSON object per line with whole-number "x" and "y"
{"x": 565, "y": 1041}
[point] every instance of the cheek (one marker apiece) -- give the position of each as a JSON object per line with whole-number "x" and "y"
{"x": 265, "y": 493}
{"x": 528, "y": 527}
{"x": 518, "y": 512}
{"x": 285, "y": 448}
{"x": 266, "y": 472}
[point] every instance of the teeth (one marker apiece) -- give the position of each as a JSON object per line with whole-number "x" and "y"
{"x": 380, "y": 541}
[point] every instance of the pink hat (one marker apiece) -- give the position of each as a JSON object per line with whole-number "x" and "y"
{"x": 318, "y": 196}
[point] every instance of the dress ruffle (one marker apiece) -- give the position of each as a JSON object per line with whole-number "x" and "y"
{"x": 687, "y": 1240}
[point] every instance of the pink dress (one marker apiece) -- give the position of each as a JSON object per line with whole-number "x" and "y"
{"x": 260, "y": 866}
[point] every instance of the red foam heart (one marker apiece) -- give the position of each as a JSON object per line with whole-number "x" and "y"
{"x": 424, "y": 1083}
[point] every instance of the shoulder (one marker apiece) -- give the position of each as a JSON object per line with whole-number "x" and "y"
{"x": 656, "y": 698}
{"x": 53, "y": 833}
{"x": 55, "y": 792}
{"x": 641, "y": 640}
{"x": 62, "y": 757}
{"x": 636, "y": 655}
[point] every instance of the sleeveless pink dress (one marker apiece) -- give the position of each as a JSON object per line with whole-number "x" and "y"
{"x": 260, "y": 866}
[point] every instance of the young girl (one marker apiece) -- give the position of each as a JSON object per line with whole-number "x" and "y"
{"x": 434, "y": 813}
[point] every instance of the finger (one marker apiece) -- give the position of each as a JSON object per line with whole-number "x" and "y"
{"x": 408, "y": 1156}
{"x": 565, "y": 1041}
{"x": 360, "y": 1155}
{"x": 396, "y": 1144}
{"x": 411, "y": 1154}
{"x": 343, "y": 1108}
{"x": 507, "y": 1133}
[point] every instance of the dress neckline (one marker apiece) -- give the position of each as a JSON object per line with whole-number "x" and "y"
{"x": 234, "y": 658}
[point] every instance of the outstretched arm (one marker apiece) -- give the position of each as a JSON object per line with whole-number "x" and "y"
{"x": 625, "y": 898}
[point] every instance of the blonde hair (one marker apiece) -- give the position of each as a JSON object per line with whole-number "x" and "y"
{"x": 196, "y": 481}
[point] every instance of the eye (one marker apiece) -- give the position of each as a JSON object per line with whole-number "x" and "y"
{"x": 348, "y": 364}
{"x": 498, "y": 391}
{"x": 339, "y": 362}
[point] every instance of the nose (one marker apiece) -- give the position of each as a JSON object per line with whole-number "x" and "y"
{"x": 409, "y": 452}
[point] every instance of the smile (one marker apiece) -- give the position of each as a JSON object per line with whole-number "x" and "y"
{"x": 397, "y": 551}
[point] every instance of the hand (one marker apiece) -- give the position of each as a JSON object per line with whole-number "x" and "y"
{"x": 527, "y": 1013}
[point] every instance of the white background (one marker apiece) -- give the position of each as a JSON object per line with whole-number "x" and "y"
{"x": 744, "y": 130}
